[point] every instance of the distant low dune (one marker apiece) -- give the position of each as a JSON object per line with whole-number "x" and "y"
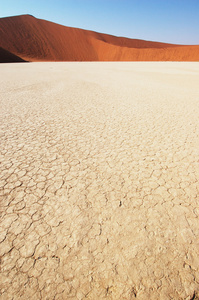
{"x": 31, "y": 39}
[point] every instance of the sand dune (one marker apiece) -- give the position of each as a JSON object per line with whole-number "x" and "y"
{"x": 6, "y": 56}
{"x": 34, "y": 39}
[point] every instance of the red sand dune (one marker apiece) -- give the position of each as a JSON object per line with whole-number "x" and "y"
{"x": 33, "y": 39}
{"x": 6, "y": 56}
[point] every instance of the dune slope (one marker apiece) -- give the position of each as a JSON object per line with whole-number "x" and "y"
{"x": 6, "y": 56}
{"x": 34, "y": 39}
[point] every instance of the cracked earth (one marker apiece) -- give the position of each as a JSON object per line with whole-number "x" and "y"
{"x": 99, "y": 181}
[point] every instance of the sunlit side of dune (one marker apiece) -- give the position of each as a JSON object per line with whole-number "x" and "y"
{"x": 33, "y": 39}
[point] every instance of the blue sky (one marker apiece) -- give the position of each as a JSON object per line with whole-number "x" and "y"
{"x": 174, "y": 21}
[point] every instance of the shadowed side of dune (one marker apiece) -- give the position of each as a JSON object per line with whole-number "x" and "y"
{"x": 8, "y": 57}
{"x": 34, "y": 39}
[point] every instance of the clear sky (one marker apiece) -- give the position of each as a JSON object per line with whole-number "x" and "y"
{"x": 174, "y": 21}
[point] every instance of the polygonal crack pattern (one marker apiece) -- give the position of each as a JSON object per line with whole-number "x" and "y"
{"x": 99, "y": 181}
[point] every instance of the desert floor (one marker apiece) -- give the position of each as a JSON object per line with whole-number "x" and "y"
{"x": 99, "y": 180}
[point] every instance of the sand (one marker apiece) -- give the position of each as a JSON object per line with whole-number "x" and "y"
{"x": 7, "y": 57}
{"x": 34, "y": 39}
{"x": 99, "y": 181}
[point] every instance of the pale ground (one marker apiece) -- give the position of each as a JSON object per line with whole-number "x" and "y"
{"x": 99, "y": 181}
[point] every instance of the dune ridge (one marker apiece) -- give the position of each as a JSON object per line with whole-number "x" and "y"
{"x": 32, "y": 39}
